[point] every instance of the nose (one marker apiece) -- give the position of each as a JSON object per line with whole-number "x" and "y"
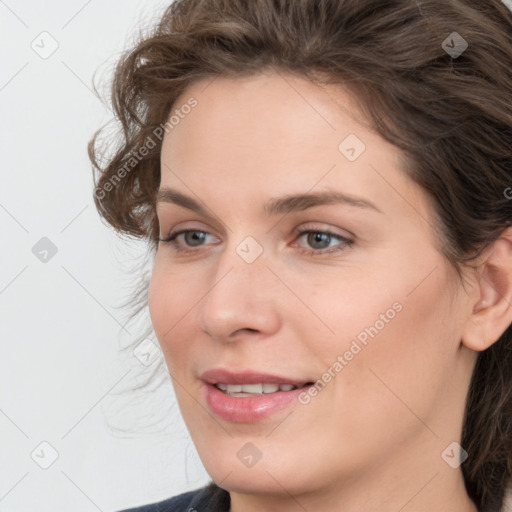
{"x": 243, "y": 298}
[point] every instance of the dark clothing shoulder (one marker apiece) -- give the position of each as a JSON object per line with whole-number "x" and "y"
{"x": 209, "y": 498}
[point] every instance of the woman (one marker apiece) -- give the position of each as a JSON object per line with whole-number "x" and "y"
{"x": 326, "y": 186}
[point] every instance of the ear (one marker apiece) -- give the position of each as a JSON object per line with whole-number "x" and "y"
{"x": 492, "y": 312}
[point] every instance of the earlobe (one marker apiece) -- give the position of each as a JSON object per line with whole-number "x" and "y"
{"x": 492, "y": 312}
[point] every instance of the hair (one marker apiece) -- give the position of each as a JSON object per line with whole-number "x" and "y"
{"x": 451, "y": 115}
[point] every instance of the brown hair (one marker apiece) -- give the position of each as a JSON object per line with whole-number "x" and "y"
{"x": 452, "y": 116}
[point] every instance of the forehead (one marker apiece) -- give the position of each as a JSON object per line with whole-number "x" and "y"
{"x": 266, "y": 111}
{"x": 274, "y": 134}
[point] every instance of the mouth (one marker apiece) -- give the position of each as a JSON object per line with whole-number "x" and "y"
{"x": 250, "y": 396}
{"x": 257, "y": 389}
{"x": 251, "y": 403}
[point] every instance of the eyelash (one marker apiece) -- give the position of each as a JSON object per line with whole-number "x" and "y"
{"x": 171, "y": 239}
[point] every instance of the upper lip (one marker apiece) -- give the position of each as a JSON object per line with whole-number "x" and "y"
{"x": 220, "y": 375}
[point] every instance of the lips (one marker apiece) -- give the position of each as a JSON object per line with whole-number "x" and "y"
{"x": 223, "y": 376}
{"x": 241, "y": 407}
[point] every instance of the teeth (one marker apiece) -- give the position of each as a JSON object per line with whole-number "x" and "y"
{"x": 248, "y": 388}
{"x": 270, "y": 388}
{"x": 255, "y": 389}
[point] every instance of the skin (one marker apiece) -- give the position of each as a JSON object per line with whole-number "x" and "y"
{"x": 372, "y": 439}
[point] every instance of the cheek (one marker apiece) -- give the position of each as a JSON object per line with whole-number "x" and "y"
{"x": 393, "y": 319}
{"x": 167, "y": 302}
{"x": 398, "y": 373}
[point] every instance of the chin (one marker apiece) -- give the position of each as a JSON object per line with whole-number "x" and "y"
{"x": 250, "y": 483}
{"x": 262, "y": 478}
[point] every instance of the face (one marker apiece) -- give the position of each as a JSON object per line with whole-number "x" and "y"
{"x": 351, "y": 294}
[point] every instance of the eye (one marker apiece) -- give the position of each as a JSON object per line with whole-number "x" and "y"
{"x": 195, "y": 240}
{"x": 316, "y": 238}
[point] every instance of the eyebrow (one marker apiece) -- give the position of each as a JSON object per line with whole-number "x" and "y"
{"x": 275, "y": 206}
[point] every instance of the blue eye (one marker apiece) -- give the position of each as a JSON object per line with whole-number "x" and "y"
{"x": 314, "y": 238}
{"x": 319, "y": 237}
{"x": 171, "y": 239}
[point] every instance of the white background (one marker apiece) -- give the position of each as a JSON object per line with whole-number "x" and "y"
{"x": 64, "y": 378}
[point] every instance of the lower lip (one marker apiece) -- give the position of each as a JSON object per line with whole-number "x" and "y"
{"x": 249, "y": 409}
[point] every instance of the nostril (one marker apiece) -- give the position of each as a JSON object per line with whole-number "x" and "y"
{"x": 247, "y": 329}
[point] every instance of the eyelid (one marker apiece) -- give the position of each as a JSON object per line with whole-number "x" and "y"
{"x": 186, "y": 225}
{"x": 323, "y": 226}
{"x": 182, "y": 217}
